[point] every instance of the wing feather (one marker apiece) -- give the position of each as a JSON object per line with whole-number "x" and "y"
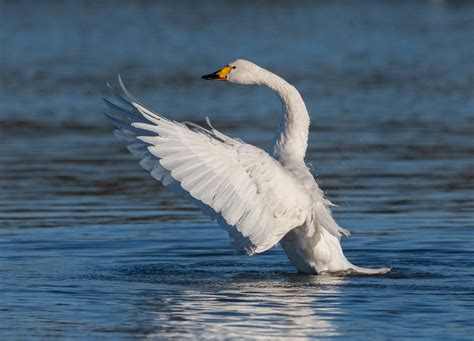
{"x": 248, "y": 192}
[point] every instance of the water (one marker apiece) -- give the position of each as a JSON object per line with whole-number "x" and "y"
{"x": 91, "y": 247}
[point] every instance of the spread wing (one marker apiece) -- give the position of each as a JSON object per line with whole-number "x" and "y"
{"x": 239, "y": 185}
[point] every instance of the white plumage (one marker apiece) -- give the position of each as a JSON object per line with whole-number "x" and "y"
{"x": 259, "y": 199}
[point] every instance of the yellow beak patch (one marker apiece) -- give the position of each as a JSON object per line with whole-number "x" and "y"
{"x": 219, "y": 75}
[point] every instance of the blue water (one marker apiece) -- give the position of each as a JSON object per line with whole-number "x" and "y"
{"x": 91, "y": 247}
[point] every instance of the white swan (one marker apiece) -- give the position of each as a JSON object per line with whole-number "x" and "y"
{"x": 259, "y": 199}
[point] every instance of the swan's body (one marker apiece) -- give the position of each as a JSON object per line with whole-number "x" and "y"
{"x": 259, "y": 199}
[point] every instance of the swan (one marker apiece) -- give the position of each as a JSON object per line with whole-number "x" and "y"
{"x": 261, "y": 199}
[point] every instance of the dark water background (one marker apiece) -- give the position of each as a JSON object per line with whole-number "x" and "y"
{"x": 91, "y": 247}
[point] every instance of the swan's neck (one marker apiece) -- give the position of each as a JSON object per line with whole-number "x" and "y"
{"x": 291, "y": 139}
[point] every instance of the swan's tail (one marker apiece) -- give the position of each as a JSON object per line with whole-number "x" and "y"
{"x": 368, "y": 271}
{"x": 320, "y": 253}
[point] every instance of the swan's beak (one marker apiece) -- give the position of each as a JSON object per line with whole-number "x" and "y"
{"x": 219, "y": 75}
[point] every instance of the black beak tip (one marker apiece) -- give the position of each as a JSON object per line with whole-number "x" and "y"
{"x": 212, "y": 76}
{"x": 209, "y": 76}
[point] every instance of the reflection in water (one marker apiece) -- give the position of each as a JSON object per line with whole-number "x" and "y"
{"x": 297, "y": 306}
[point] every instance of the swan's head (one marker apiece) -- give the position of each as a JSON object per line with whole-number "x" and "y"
{"x": 239, "y": 72}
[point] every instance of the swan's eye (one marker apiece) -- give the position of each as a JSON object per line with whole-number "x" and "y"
{"x": 234, "y": 67}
